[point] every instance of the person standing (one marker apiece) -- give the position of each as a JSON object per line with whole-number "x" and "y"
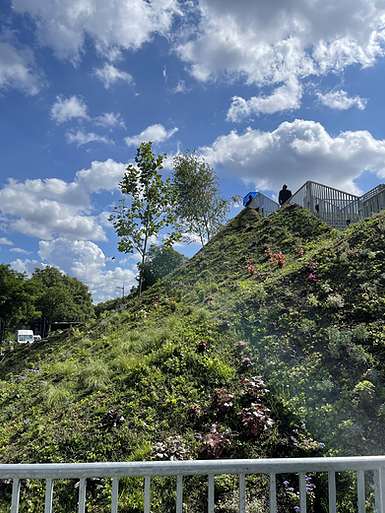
{"x": 284, "y": 195}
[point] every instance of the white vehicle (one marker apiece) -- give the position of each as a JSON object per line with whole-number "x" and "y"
{"x": 36, "y": 338}
{"x": 24, "y": 336}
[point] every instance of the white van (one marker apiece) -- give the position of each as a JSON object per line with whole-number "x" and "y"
{"x": 36, "y": 338}
{"x": 24, "y": 336}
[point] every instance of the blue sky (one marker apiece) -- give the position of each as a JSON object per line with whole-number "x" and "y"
{"x": 267, "y": 92}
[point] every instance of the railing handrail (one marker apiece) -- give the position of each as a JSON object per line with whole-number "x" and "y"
{"x": 189, "y": 467}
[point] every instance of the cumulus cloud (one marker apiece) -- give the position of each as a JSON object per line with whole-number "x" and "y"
{"x": 5, "y": 241}
{"x": 154, "y": 133}
{"x": 101, "y": 176}
{"x": 52, "y": 207}
{"x": 341, "y": 101}
{"x": 269, "y": 42}
{"x": 65, "y": 109}
{"x": 45, "y": 208}
{"x": 283, "y": 98}
{"x": 109, "y": 75}
{"x": 80, "y": 138}
{"x": 296, "y": 152}
{"x": 109, "y": 120}
{"x": 18, "y": 70}
{"x": 24, "y": 266}
{"x": 128, "y": 24}
{"x": 85, "y": 260}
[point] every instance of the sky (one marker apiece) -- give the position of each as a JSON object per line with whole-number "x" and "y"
{"x": 268, "y": 92}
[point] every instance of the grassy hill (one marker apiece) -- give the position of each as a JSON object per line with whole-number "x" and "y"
{"x": 269, "y": 342}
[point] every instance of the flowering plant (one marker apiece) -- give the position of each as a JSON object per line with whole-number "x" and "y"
{"x": 214, "y": 443}
{"x": 278, "y": 258}
{"x": 250, "y": 267}
{"x": 256, "y": 419}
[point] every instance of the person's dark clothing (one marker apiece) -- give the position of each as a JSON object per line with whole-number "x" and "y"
{"x": 284, "y": 195}
{"x": 249, "y": 201}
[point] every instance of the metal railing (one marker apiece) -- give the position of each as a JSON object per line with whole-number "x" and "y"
{"x": 336, "y": 208}
{"x": 264, "y": 205}
{"x": 301, "y": 466}
{"x": 373, "y": 201}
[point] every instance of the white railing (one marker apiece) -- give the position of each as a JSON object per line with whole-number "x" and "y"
{"x": 263, "y": 204}
{"x": 336, "y": 208}
{"x": 301, "y": 466}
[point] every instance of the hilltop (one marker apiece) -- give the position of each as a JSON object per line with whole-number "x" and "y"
{"x": 269, "y": 342}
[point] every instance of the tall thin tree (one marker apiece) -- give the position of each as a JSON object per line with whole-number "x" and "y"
{"x": 147, "y": 206}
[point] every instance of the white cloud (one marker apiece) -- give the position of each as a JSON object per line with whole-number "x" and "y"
{"x": 180, "y": 87}
{"x": 101, "y": 176}
{"x": 268, "y": 43}
{"x": 85, "y": 260}
{"x": 24, "y": 266}
{"x": 44, "y": 208}
{"x": 80, "y": 138}
{"x": 296, "y": 152}
{"x": 65, "y": 109}
{"x": 341, "y": 101}
{"x": 5, "y": 241}
{"x": 154, "y": 133}
{"x": 19, "y": 250}
{"x": 283, "y": 98}
{"x": 18, "y": 70}
{"x": 127, "y": 24}
{"x": 109, "y": 75}
{"x": 109, "y": 120}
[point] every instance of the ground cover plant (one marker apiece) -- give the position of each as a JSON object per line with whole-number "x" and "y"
{"x": 269, "y": 342}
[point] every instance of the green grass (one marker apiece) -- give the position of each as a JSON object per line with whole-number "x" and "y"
{"x": 317, "y": 343}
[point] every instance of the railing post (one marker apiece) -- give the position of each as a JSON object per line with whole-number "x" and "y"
{"x": 272, "y": 493}
{"x": 179, "y": 494}
{"x": 48, "y": 496}
{"x": 379, "y": 490}
{"x": 332, "y": 492}
{"x": 361, "y": 491}
{"x": 211, "y": 494}
{"x": 15, "y": 496}
{"x": 82, "y": 495}
{"x": 302, "y": 492}
{"x": 242, "y": 493}
{"x": 147, "y": 494}
{"x": 115, "y": 495}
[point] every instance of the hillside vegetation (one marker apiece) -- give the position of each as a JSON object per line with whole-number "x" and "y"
{"x": 269, "y": 342}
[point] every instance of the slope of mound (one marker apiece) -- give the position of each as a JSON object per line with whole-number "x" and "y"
{"x": 241, "y": 353}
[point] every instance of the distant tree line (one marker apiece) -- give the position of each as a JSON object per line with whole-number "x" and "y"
{"x": 48, "y": 293}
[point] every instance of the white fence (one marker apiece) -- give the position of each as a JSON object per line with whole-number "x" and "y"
{"x": 338, "y": 208}
{"x": 263, "y": 204}
{"x": 372, "y": 467}
{"x": 334, "y": 207}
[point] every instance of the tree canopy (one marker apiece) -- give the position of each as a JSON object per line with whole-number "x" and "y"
{"x": 18, "y": 295}
{"x": 160, "y": 262}
{"x": 62, "y": 298}
{"x": 200, "y": 208}
{"x": 150, "y": 206}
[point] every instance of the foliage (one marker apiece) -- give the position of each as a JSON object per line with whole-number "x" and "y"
{"x": 200, "y": 207}
{"x": 62, "y": 298}
{"x": 152, "y": 200}
{"x": 313, "y": 383}
{"x": 17, "y": 297}
{"x": 160, "y": 261}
